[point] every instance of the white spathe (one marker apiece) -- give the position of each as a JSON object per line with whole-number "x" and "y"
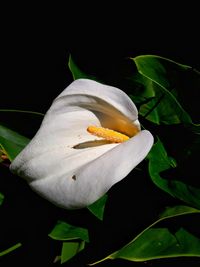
{"x": 69, "y": 166}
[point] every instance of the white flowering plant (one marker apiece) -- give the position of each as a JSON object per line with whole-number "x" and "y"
{"x": 100, "y": 137}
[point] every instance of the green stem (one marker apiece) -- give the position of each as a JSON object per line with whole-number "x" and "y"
{"x": 22, "y": 111}
{"x": 10, "y": 249}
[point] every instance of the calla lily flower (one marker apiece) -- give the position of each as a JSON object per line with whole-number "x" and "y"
{"x": 89, "y": 140}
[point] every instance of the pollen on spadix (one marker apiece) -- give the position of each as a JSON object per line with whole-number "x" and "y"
{"x": 107, "y": 134}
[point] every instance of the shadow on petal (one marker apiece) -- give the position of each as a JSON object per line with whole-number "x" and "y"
{"x": 94, "y": 143}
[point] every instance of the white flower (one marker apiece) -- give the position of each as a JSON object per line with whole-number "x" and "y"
{"x": 66, "y": 163}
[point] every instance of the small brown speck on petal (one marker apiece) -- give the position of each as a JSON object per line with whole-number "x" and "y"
{"x": 74, "y": 177}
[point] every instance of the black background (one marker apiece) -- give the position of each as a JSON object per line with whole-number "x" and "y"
{"x": 36, "y": 44}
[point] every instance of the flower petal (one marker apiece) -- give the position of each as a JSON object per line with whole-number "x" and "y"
{"x": 54, "y": 162}
{"x": 83, "y": 103}
{"x": 101, "y": 174}
{"x": 112, "y": 95}
{"x": 65, "y": 126}
{"x": 61, "y": 162}
{"x": 88, "y": 183}
{"x": 111, "y": 106}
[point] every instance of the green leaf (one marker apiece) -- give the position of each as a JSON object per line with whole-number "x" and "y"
{"x": 11, "y": 142}
{"x": 64, "y": 231}
{"x": 1, "y": 198}
{"x": 165, "y": 83}
{"x": 97, "y": 208}
{"x": 157, "y": 242}
{"x": 74, "y": 237}
{"x": 159, "y": 161}
{"x": 70, "y": 249}
{"x": 76, "y": 72}
{"x": 2, "y": 253}
{"x": 170, "y": 212}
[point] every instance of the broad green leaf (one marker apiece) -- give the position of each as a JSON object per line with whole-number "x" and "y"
{"x": 170, "y": 86}
{"x": 1, "y": 198}
{"x": 2, "y": 253}
{"x": 70, "y": 249}
{"x": 97, "y": 208}
{"x": 64, "y": 231}
{"x": 76, "y": 72}
{"x": 12, "y": 142}
{"x": 159, "y": 161}
{"x": 157, "y": 242}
